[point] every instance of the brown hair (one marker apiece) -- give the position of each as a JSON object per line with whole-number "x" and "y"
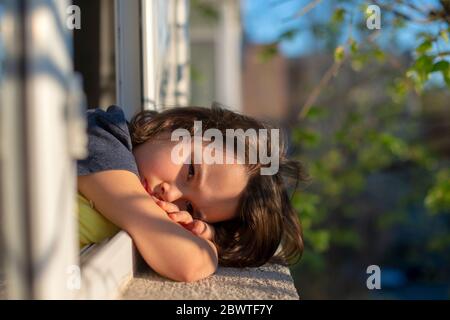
{"x": 266, "y": 220}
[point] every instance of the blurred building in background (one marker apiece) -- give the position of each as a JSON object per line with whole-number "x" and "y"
{"x": 216, "y": 53}
{"x": 265, "y": 85}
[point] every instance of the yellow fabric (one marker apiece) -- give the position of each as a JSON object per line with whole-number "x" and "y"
{"x": 93, "y": 227}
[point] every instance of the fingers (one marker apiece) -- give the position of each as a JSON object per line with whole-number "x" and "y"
{"x": 174, "y": 212}
{"x": 201, "y": 229}
{"x": 197, "y": 227}
{"x": 181, "y": 217}
{"x": 166, "y": 206}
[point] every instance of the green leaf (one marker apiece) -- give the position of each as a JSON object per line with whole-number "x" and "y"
{"x": 379, "y": 55}
{"x": 424, "y": 63}
{"x": 268, "y": 52}
{"x": 394, "y": 144}
{"x": 338, "y": 16}
{"x": 359, "y": 59}
{"x": 438, "y": 198}
{"x": 357, "y": 64}
{"x": 398, "y": 90}
{"x": 420, "y": 154}
{"x": 306, "y": 204}
{"x": 441, "y": 66}
{"x": 422, "y": 69}
{"x": 424, "y": 47}
{"x": 318, "y": 239}
{"x": 315, "y": 113}
{"x": 353, "y": 46}
{"x": 444, "y": 35}
{"x": 339, "y": 54}
{"x": 305, "y": 136}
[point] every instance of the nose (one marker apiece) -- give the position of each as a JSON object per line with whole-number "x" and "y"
{"x": 168, "y": 192}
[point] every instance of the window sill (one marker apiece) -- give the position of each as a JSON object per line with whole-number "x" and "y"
{"x": 106, "y": 268}
{"x": 115, "y": 270}
{"x": 268, "y": 282}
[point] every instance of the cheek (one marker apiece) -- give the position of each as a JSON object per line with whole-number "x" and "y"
{"x": 157, "y": 165}
{"x": 220, "y": 217}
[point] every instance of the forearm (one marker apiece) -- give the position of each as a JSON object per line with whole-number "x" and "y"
{"x": 166, "y": 246}
{"x": 175, "y": 252}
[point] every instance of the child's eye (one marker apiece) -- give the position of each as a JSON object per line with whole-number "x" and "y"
{"x": 191, "y": 172}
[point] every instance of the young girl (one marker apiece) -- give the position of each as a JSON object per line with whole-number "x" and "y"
{"x": 185, "y": 218}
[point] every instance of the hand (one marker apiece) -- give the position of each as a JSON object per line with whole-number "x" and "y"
{"x": 196, "y": 226}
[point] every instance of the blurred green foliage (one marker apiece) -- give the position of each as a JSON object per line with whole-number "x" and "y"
{"x": 438, "y": 197}
{"x": 346, "y": 214}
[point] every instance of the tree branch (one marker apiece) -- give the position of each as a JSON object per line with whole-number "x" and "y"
{"x": 307, "y": 8}
{"x": 404, "y": 15}
{"x": 332, "y": 71}
{"x": 329, "y": 74}
{"x": 443, "y": 53}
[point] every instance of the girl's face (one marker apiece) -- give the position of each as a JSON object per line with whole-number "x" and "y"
{"x": 210, "y": 192}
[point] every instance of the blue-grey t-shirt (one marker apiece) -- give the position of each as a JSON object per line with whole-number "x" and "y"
{"x": 109, "y": 146}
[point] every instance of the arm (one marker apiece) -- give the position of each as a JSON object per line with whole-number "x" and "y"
{"x": 167, "y": 247}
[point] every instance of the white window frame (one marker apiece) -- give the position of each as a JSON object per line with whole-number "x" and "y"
{"x": 165, "y": 53}
{"x": 107, "y": 267}
{"x": 40, "y": 134}
{"x": 39, "y": 146}
{"x": 128, "y": 56}
{"x": 140, "y": 58}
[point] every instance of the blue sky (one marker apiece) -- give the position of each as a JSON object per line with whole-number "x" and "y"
{"x": 265, "y": 20}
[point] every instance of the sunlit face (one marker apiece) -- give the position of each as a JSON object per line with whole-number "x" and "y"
{"x": 210, "y": 192}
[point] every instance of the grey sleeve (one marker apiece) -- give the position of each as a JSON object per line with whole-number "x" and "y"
{"x": 109, "y": 145}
